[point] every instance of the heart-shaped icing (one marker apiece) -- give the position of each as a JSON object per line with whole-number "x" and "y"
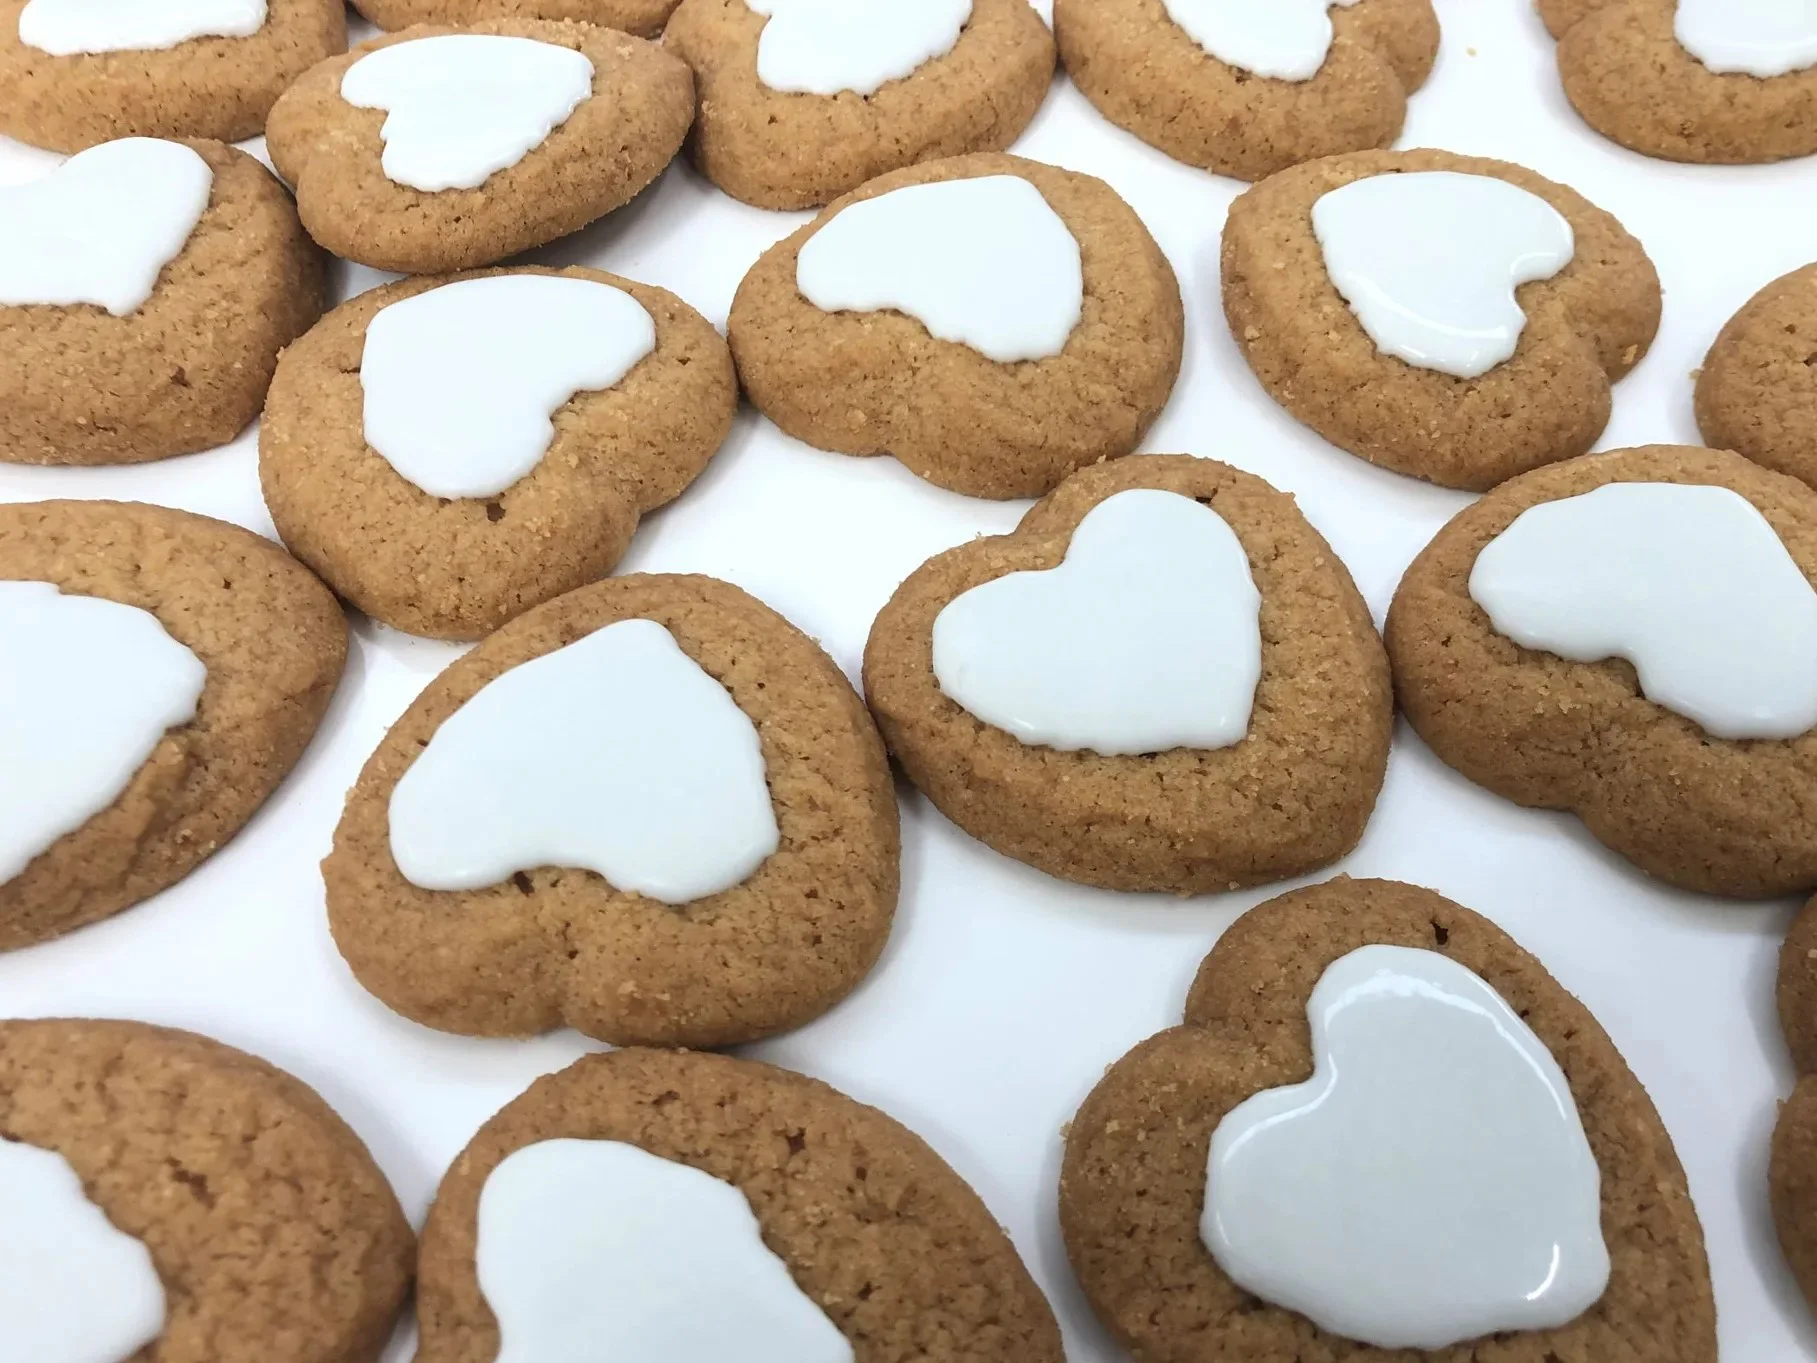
{"x": 616, "y": 754}
{"x": 460, "y": 107}
{"x": 823, "y": 47}
{"x": 1284, "y": 39}
{"x": 1688, "y": 582}
{"x": 461, "y": 382}
{"x": 1429, "y": 262}
{"x": 64, "y": 28}
{"x": 984, "y": 262}
{"x": 1145, "y": 638}
{"x": 102, "y": 226}
{"x": 595, "y": 1249}
{"x": 1763, "y": 38}
{"x": 87, "y": 689}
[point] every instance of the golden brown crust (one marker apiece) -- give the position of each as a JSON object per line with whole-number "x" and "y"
{"x": 1792, "y": 1165}
{"x": 1757, "y": 389}
{"x": 640, "y": 18}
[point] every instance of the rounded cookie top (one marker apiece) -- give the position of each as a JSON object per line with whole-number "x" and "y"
{"x": 1757, "y": 388}
{"x": 1792, "y": 1166}
{"x": 1286, "y": 787}
{"x": 640, "y": 18}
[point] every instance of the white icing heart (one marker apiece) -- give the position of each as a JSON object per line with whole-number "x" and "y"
{"x": 1145, "y": 638}
{"x": 617, "y": 754}
{"x": 1688, "y": 583}
{"x": 73, "y": 1287}
{"x": 1429, "y": 262}
{"x": 102, "y": 226}
{"x": 1763, "y": 38}
{"x": 822, "y": 47}
{"x": 984, "y": 262}
{"x": 460, "y": 107}
{"x": 87, "y": 689}
{"x": 64, "y": 28}
{"x": 1285, "y": 39}
{"x": 592, "y": 1250}
{"x": 461, "y": 382}
{"x": 1431, "y": 1183}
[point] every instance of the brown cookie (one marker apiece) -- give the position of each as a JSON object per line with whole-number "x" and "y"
{"x": 777, "y": 149}
{"x": 1757, "y": 389}
{"x": 614, "y": 144}
{"x": 1704, "y": 813}
{"x": 1586, "y": 326}
{"x": 188, "y": 368}
{"x": 459, "y": 568}
{"x": 273, "y": 642}
{"x": 640, "y": 18}
{"x": 874, "y": 1227}
{"x": 273, "y": 1233}
{"x": 555, "y": 946}
{"x": 1148, "y": 75}
{"x": 870, "y": 383}
{"x": 1132, "y": 1186}
{"x": 1292, "y": 795}
{"x": 1628, "y": 76}
{"x": 1792, "y": 1166}
{"x": 219, "y": 88}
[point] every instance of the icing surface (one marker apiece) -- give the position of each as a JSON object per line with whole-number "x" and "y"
{"x": 825, "y": 47}
{"x": 65, "y": 28}
{"x": 1763, "y": 38}
{"x": 1283, "y": 39}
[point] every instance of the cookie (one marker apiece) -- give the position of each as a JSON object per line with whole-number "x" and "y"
{"x": 1792, "y": 1165}
{"x": 163, "y": 673}
{"x": 1383, "y": 1131}
{"x": 1162, "y": 680}
{"x": 802, "y": 102}
{"x": 1691, "y": 80}
{"x": 872, "y": 1249}
{"x": 1449, "y": 317}
{"x": 172, "y": 1198}
{"x": 146, "y": 288}
{"x": 449, "y": 453}
{"x": 1631, "y": 636}
{"x": 1757, "y": 388}
{"x": 436, "y": 148}
{"x": 993, "y": 323}
{"x": 1246, "y": 91}
{"x": 640, "y": 18}
{"x": 74, "y": 73}
{"x": 708, "y": 766}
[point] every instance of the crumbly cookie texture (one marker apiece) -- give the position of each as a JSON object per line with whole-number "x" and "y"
{"x": 275, "y": 1235}
{"x": 1146, "y": 74}
{"x": 640, "y": 18}
{"x": 1792, "y": 1166}
{"x": 787, "y": 150}
{"x": 273, "y": 641}
{"x": 1757, "y": 388}
{"x": 610, "y": 148}
{"x": 1293, "y": 795}
{"x": 1706, "y": 814}
{"x": 1586, "y": 326}
{"x": 1132, "y": 1183}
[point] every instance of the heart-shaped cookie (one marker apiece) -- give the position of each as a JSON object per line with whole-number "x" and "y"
{"x": 64, "y": 28}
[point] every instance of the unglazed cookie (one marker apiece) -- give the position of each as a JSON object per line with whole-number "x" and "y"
{"x": 199, "y": 649}
{"x": 503, "y": 135}
{"x": 1757, "y": 388}
{"x": 1250, "y": 90}
{"x": 1644, "y": 658}
{"x": 640, "y": 18}
{"x": 799, "y": 104}
{"x": 994, "y": 323}
{"x": 1721, "y": 81}
{"x": 76, "y": 72}
{"x": 705, "y": 760}
{"x": 415, "y": 462}
{"x": 872, "y": 1249}
{"x": 176, "y": 1193}
{"x": 1226, "y": 725}
{"x": 1442, "y": 253}
{"x": 1252, "y": 1131}
{"x": 146, "y": 288}
{"x": 1792, "y": 1168}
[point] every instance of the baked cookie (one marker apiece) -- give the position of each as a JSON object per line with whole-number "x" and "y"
{"x": 449, "y": 453}
{"x": 640, "y": 18}
{"x": 146, "y": 288}
{"x": 1632, "y": 637}
{"x": 74, "y": 73}
{"x": 1792, "y": 1166}
{"x": 993, "y": 323}
{"x": 651, "y": 810}
{"x": 1375, "y": 297}
{"x": 169, "y": 1198}
{"x": 1246, "y": 90}
{"x": 1163, "y": 680}
{"x": 1383, "y": 1132}
{"x": 1757, "y": 388}
{"x": 759, "y": 1213}
{"x": 162, "y": 673}
{"x": 1721, "y": 81}
{"x": 437, "y": 148}
{"x": 801, "y": 102}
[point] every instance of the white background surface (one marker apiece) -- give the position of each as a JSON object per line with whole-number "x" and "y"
{"x": 1003, "y": 993}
